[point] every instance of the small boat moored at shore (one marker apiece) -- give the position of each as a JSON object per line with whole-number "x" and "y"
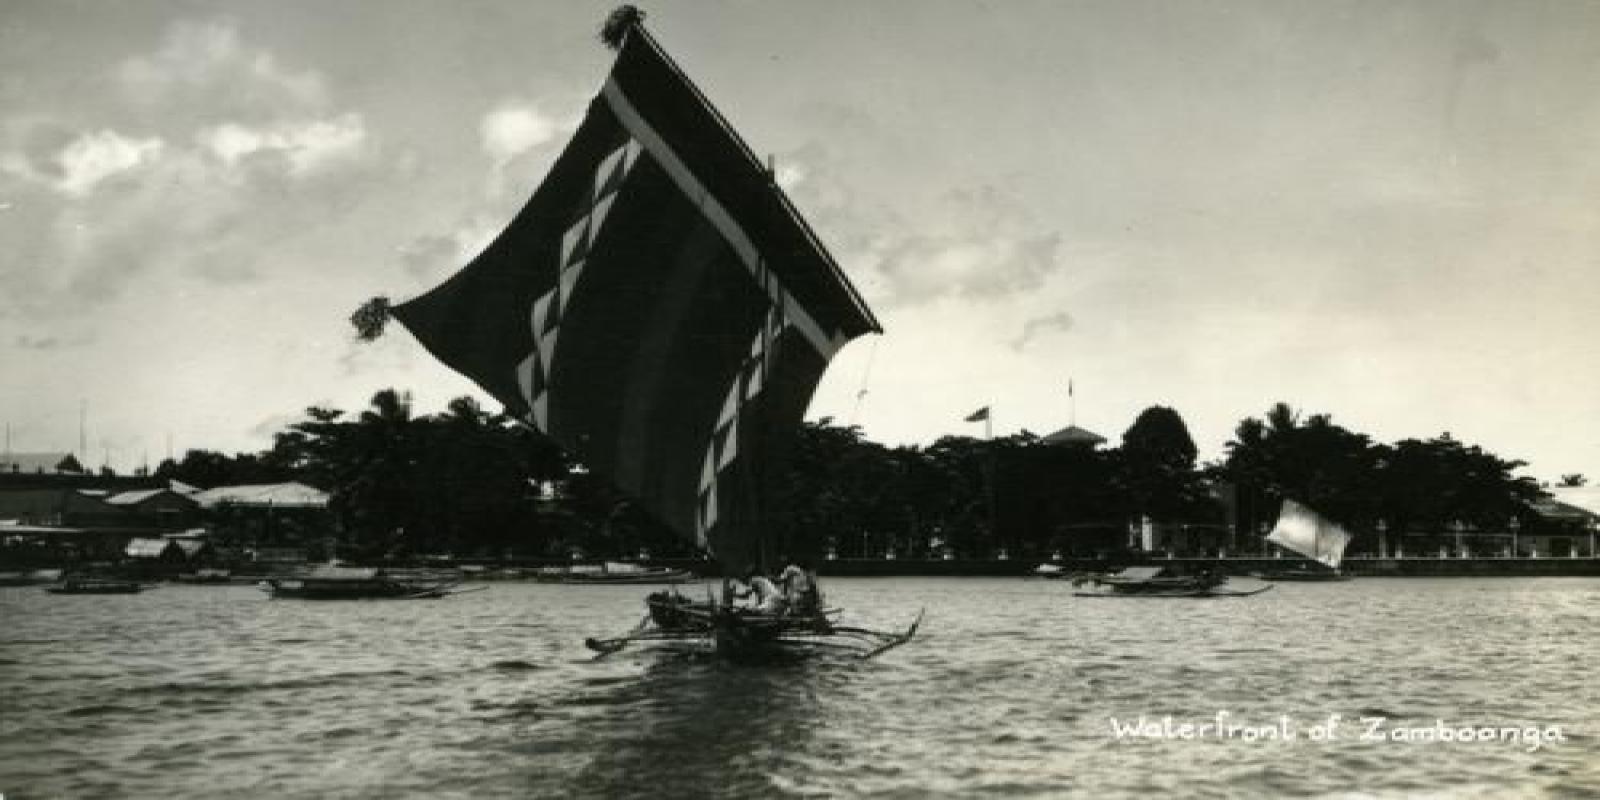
{"x": 613, "y": 572}
{"x": 1158, "y": 582}
{"x": 96, "y": 586}
{"x": 362, "y": 583}
{"x": 30, "y": 577}
{"x": 1321, "y": 540}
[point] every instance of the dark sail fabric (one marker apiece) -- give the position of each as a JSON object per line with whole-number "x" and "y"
{"x": 658, "y": 309}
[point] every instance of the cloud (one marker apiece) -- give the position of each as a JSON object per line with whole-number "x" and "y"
{"x": 1059, "y": 321}
{"x": 94, "y": 157}
{"x": 969, "y": 264}
{"x": 220, "y": 159}
{"x": 46, "y": 343}
{"x": 76, "y": 165}
{"x": 515, "y": 128}
{"x": 975, "y": 243}
{"x": 304, "y": 147}
{"x": 209, "y": 61}
{"x": 433, "y": 255}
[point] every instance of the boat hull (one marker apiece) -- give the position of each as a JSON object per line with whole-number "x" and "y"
{"x": 98, "y": 587}
{"x": 623, "y": 579}
{"x": 352, "y": 590}
{"x": 1305, "y": 576}
{"x": 1170, "y": 593}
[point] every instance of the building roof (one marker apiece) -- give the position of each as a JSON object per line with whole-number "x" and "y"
{"x": 133, "y": 498}
{"x": 1075, "y": 435}
{"x": 329, "y": 572}
{"x": 1564, "y": 508}
{"x": 140, "y": 496}
{"x": 1586, "y": 498}
{"x": 275, "y": 495}
{"x": 147, "y": 548}
{"x": 10, "y": 527}
{"x": 33, "y": 463}
{"x": 190, "y": 546}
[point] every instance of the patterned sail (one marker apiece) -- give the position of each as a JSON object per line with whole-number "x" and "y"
{"x": 658, "y": 308}
{"x": 1310, "y": 534}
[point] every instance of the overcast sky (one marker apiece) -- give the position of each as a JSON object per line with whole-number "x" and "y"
{"x": 1385, "y": 211}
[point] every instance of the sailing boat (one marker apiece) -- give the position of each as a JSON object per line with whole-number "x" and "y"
{"x": 663, "y": 313}
{"x": 1314, "y": 536}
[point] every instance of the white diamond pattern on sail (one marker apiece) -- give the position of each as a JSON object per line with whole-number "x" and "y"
{"x": 724, "y": 444}
{"x": 533, "y": 374}
{"x": 1310, "y": 534}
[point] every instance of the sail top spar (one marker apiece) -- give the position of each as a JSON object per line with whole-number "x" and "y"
{"x": 1310, "y": 534}
{"x": 658, "y": 308}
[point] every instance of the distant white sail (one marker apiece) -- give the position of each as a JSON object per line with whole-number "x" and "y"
{"x": 1310, "y": 534}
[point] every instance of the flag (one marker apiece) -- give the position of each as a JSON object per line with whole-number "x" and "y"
{"x": 979, "y": 416}
{"x": 657, "y": 308}
{"x": 1069, "y": 387}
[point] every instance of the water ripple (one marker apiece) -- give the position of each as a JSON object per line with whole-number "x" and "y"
{"x": 212, "y": 691}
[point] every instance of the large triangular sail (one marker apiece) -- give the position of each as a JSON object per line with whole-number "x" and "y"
{"x": 1310, "y": 534}
{"x": 658, "y": 308}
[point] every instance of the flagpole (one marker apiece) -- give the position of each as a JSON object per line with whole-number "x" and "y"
{"x": 1072, "y": 405}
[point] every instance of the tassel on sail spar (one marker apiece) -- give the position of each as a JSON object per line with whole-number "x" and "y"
{"x": 658, "y": 308}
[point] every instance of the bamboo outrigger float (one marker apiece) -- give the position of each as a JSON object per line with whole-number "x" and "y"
{"x": 661, "y": 311}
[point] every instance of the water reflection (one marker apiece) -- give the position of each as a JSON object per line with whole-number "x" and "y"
{"x": 696, "y": 725}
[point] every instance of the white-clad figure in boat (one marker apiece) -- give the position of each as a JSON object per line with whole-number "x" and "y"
{"x": 764, "y": 594}
{"x": 799, "y": 586}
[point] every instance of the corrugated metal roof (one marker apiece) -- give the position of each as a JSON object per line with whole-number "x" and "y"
{"x": 277, "y": 495}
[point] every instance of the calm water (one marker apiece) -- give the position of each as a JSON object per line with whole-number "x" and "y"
{"x": 207, "y": 692}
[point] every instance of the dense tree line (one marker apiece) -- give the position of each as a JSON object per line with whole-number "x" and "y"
{"x": 469, "y": 482}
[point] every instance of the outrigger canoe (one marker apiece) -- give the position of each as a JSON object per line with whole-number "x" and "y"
{"x": 734, "y": 631}
{"x": 612, "y": 572}
{"x": 96, "y": 586}
{"x": 346, "y": 583}
{"x": 1158, "y": 582}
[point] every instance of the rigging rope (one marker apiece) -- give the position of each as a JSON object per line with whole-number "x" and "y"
{"x": 866, "y": 378}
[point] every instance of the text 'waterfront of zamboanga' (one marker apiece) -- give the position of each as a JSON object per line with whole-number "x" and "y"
{"x": 1334, "y": 727}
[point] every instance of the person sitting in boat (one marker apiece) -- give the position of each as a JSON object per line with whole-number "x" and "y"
{"x": 799, "y": 584}
{"x": 767, "y": 599}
